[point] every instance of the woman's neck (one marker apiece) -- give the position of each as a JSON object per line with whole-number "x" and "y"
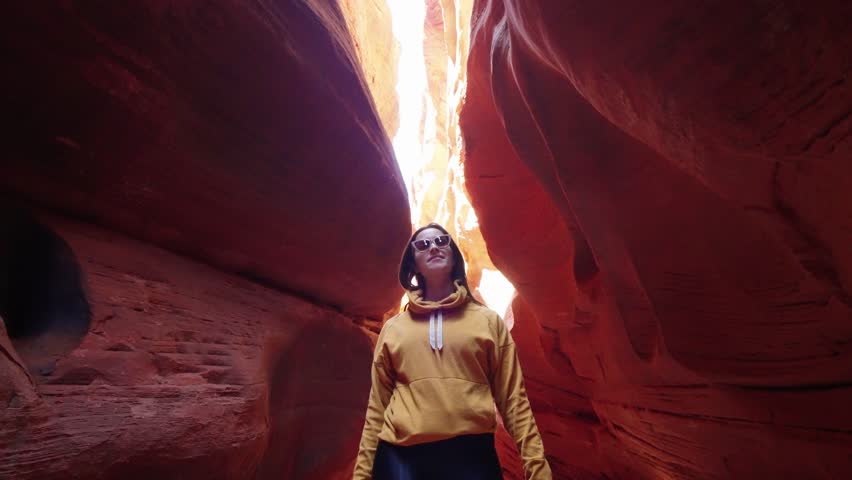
{"x": 435, "y": 294}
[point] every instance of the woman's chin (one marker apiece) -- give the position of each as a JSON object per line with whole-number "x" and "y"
{"x": 437, "y": 268}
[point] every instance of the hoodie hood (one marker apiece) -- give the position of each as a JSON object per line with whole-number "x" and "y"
{"x": 417, "y": 304}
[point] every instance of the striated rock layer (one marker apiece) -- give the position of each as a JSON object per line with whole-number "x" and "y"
{"x": 185, "y": 372}
{"x": 667, "y": 187}
{"x": 202, "y": 234}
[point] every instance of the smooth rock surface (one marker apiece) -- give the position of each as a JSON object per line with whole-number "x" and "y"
{"x": 241, "y": 135}
{"x": 370, "y": 26}
{"x": 684, "y": 279}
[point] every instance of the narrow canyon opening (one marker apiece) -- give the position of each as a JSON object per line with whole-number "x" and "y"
{"x": 215, "y": 216}
{"x": 430, "y": 88}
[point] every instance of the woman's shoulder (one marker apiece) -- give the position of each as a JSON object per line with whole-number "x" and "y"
{"x": 482, "y": 310}
{"x": 391, "y": 323}
{"x": 495, "y": 324}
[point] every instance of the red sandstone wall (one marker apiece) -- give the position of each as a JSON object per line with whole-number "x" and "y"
{"x": 212, "y": 156}
{"x": 684, "y": 282}
{"x": 185, "y": 372}
{"x": 242, "y": 135}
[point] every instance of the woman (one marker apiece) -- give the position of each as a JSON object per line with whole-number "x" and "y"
{"x": 439, "y": 368}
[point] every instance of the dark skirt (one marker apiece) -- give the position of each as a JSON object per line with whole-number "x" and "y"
{"x": 466, "y": 457}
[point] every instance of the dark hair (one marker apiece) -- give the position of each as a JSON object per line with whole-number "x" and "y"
{"x": 407, "y": 268}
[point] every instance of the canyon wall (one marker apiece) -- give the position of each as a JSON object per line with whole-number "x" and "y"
{"x": 666, "y": 185}
{"x": 198, "y": 204}
{"x": 193, "y": 195}
{"x": 244, "y": 137}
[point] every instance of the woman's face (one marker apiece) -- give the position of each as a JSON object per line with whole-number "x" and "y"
{"x": 435, "y": 260}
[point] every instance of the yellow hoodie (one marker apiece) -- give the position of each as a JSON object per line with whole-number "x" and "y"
{"x": 438, "y": 370}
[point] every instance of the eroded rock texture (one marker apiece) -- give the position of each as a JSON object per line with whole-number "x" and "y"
{"x": 196, "y": 193}
{"x": 667, "y": 186}
{"x": 184, "y": 372}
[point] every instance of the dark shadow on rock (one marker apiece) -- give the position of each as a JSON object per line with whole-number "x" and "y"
{"x": 318, "y": 394}
{"x": 42, "y": 295}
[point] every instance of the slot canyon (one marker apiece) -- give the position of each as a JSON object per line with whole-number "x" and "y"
{"x": 204, "y": 206}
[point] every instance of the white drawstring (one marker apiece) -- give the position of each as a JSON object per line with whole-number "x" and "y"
{"x": 432, "y": 330}
{"x": 440, "y": 330}
{"x": 436, "y": 341}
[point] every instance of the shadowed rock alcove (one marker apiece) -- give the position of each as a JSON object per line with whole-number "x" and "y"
{"x": 42, "y": 294}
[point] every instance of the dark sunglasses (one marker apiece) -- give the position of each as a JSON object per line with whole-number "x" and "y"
{"x": 440, "y": 241}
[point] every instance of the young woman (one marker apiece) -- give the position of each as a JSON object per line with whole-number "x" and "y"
{"x": 439, "y": 368}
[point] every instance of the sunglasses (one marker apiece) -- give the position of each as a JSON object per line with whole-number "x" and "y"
{"x": 440, "y": 241}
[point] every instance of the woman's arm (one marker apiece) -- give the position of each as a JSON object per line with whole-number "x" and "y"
{"x": 510, "y": 395}
{"x": 380, "y": 394}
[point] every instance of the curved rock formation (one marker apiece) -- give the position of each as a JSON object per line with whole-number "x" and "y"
{"x": 226, "y": 187}
{"x": 685, "y": 280}
{"x": 242, "y": 136}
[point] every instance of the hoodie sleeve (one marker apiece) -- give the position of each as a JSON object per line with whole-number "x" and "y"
{"x": 510, "y": 395}
{"x": 380, "y": 393}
